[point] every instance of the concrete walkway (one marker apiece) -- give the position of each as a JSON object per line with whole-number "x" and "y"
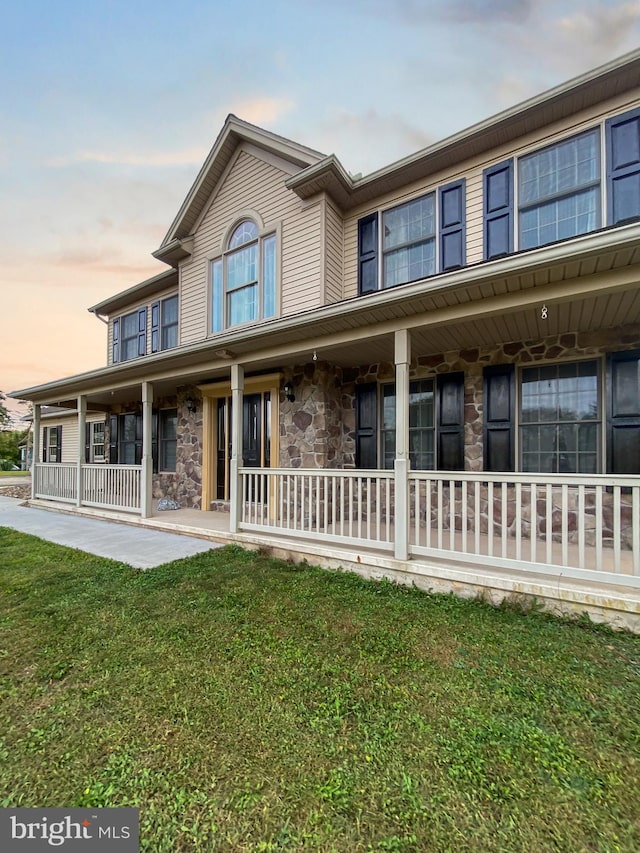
{"x": 136, "y": 546}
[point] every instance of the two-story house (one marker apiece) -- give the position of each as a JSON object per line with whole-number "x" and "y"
{"x": 432, "y": 371}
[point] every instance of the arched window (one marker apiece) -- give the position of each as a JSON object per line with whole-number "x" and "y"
{"x": 243, "y": 279}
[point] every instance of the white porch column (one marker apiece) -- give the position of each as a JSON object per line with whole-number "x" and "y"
{"x": 146, "y": 485}
{"x": 235, "y": 486}
{"x": 82, "y": 419}
{"x": 36, "y": 452}
{"x": 401, "y": 463}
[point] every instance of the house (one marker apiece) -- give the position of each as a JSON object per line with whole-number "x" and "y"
{"x": 430, "y": 372}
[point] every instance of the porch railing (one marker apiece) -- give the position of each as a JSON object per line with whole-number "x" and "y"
{"x": 56, "y": 481}
{"x": 112, "y": 486}
{"x": 572, "y": 524}
{"x": 331, "y": 505}
{"x": 105, "y": 486}
{"x": 565, "y": 521}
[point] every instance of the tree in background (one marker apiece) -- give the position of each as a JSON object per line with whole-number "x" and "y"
{"x": 10, "y": 448}
{"x": 4, "y": 414}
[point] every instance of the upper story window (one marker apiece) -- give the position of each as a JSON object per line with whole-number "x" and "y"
{"x": 418, "y": 238}
{"x": 561, "y": 189}
{"x": 164, "y": 324}
{"x": 243, "y": 280}
{"x": 130, "y": 330}
{"x": 130, "y": 335}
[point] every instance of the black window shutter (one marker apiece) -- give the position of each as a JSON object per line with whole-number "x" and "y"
{"x": 87, "y": 443}
{"x": 59, "y": 449}
{"x": 368, "y": 254}
{"x": 450, "y": 421}
{"x": 45, "y": 443}
{"x": 142, "y": 331}
{"x": 155, "y": 327}
{"x": 367, "y": 425}
{"x": 623, "y": 167}
{"x": 499, "y": 415}
{"x": 452, "y": 226}
{"x": 138, "y": 447}
{"x": 116, "y": 341}
{"x": 113, "y": 439}
{"x": 623, "y": 413}
{"x": 498, "y": 210}
{"x": 154, "y": 440}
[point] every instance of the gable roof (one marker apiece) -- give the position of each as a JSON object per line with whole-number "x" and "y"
{"x": 233, "y": 133}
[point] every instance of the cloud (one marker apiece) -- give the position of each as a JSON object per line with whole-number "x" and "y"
{"x": 182, "y": 157}
{"x": 597, "y": 33}
{"x": 486, "y": 12}
{"x": 262, "y": 111}
{"x": 349, "y": 134}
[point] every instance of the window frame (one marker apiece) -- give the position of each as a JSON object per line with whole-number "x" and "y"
{"x": 163, "y": 441}
{"x": 118, "y": 338}
{"x": 600, "y": 422}
{"x": 97, "y": 458}
{"x": 446, "y": 232}
{"x": 608, "y": 174}
{"x": 267, "y": 244}
{"x": 560, "y": 195}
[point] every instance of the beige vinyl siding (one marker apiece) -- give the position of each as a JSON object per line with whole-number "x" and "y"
{"x": 69, "y": 424}
{"x": 253, "y": 185}
{"x": 135, "y": 306}
{"x": 472, "y": 171}
{"x": 301, "y": 260}
{"x": 334, "y": 251}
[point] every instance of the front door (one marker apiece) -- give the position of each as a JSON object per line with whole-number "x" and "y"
{"x": 256, "y": 437}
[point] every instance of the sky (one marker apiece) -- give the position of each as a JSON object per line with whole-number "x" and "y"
{"x": 108, "y": 109}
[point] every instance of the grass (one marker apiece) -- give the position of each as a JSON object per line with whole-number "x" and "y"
{"x": 246, "y": 704}
{"x": 14, "y": 474}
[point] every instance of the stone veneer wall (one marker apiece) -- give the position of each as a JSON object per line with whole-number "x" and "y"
{"x": 317, "y": 430}
{"x": 185, "y": 485}
{"x": 313, "y": 427}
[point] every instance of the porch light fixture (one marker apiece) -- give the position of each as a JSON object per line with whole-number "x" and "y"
{"x": 288, "y": 392}
{"x": 191, "y": 406}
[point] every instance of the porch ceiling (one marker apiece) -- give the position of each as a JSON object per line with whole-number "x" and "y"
{"x": 588, "y": 284}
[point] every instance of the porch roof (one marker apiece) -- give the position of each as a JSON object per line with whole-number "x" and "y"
{"x": 589, "y": 282}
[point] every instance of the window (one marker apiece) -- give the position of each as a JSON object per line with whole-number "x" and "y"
{"x": 559, "y": 191}
{"x": 563, "y": 413}
{"x": 421, "y": 425}
{"x": 94, "y": 442}
{"x": 408, "y": 241}
{"x": 560, "y": 418}
{"x": 125, "y": 439}
{"x": 560, "y": 188}
{"x": 418, "y": 238}
{"x": 243, "y": 280}
{"x": 52, "y": 444}
{"x": 130, "y": 335}
{"x": 167, "y": 439}
{"x": 164, "y": 324}
{"x": 436, "y": 424}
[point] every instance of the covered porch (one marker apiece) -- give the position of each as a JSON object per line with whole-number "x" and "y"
{"x": 349, "y": 477}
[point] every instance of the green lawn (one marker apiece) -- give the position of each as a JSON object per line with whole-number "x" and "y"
{"x": 14, "y": 474}
{"x": 246, "y": 704}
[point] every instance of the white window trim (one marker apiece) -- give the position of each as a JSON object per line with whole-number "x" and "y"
{"x": 274, "y": 230}
{"x": 602, "y": 412}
